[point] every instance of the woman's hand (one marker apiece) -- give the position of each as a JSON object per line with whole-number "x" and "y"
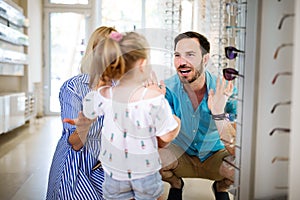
{"x": 78, "y": 137}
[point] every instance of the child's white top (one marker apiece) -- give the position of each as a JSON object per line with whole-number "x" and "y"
{"x": 128, "y": 141}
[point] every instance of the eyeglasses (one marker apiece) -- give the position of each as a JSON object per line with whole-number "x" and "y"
{"x": 221, "y": 40}
{"x": 230, "y": 74}
{"x": 236, "y": 27}
{"x": 281, "y": 187}
{"x": 172, "y": 22}
{"x": 279, "y": 158}
{"x": 172, "y": 4}
{"x": 280, "y": 103}
{"x": 280, "y": 47}
{"x": 286, "y": 130}
{"x": 230, "y": 144}
{"x": 278, "y": 74}
{"x": 220, "y": 65}
{"x": 232, "y": 8}
{"x": 232, "y": 52}
{"x": 217, "y": 57}
{"x": 283, "y": 18}
{"x": 172, "y": 12}
{"x": 231, "y": 163}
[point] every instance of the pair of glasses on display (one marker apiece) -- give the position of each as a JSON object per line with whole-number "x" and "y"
{"x": 230, "y": 74}
{"x": 232, "y": 52}
{"x": 279, "y": 129}
{"x": 234, "y": 8}
{"x": 279, "y": 158}
{"x": 280, "y": 47}
{"x": 280, "y": 74}
{"x": 283, "y": 18}
{"x": 280, "y": 103}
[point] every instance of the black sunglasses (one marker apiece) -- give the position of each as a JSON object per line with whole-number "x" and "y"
{"x": 232, "y": 52}
{"x": 230, "y": 74}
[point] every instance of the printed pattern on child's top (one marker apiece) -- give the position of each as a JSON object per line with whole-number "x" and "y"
{"x": 128, "y": 143}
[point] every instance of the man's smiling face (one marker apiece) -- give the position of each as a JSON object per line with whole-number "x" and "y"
{"x": 188, "y": 59}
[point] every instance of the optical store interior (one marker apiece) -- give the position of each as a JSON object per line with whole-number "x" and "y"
{"x": 42, "y": 43}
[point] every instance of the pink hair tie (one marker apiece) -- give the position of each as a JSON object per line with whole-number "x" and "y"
{"x": 116, "y": 36}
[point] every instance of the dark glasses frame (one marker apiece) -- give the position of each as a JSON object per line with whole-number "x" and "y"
{"x": 230, "y": 74}
{"x": 286, "y": 130}
{"x": 230, "y": 163}
{"x": 280, "y": 47}
{"x": 280, "y": 103}
{"x": 280, "y": 158}
{"x": 279, "y": 74}
{"x": 283, "y": 18}
{"x": 232, "y": 52}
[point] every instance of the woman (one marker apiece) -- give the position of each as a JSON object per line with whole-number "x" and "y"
{"x": 71, "y": 174}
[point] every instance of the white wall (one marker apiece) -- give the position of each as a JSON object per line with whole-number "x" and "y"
{"x": 294, "y": 174}
{"x": 269, "y": 176}
{"x": 35, "y": 49}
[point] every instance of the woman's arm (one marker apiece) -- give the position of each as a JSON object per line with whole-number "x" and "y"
{"x": 78, "y": 137}
{"x": 71, "y": 94}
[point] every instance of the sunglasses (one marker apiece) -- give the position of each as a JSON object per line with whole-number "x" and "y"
{"x": 232, "y": 52}
{"x": 230, "y": 74}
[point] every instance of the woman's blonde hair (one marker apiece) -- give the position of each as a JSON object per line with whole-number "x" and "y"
{"x": 98, "y": 35}
{"x": 114, "y": 57}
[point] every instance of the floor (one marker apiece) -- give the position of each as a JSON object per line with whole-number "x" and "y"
{"x": 25, "y": 158}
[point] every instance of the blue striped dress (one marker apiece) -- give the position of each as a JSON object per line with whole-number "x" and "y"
{"x": 71, "y": 175}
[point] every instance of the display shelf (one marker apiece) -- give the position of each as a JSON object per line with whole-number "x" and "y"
{"x": 12, "y": 15}
{"x": 14, "y": 45}
{"x": 13, "y": 57}
{"x": 13, "y": 36}
{"x": 30, "y": 106}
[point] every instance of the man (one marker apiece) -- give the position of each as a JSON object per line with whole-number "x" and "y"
{"x": 206, "y": 136}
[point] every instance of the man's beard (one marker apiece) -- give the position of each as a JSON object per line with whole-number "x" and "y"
{"x": 198, "y": 73}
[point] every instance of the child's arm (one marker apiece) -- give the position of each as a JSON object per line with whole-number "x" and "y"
{"x": 165, "y": 139}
